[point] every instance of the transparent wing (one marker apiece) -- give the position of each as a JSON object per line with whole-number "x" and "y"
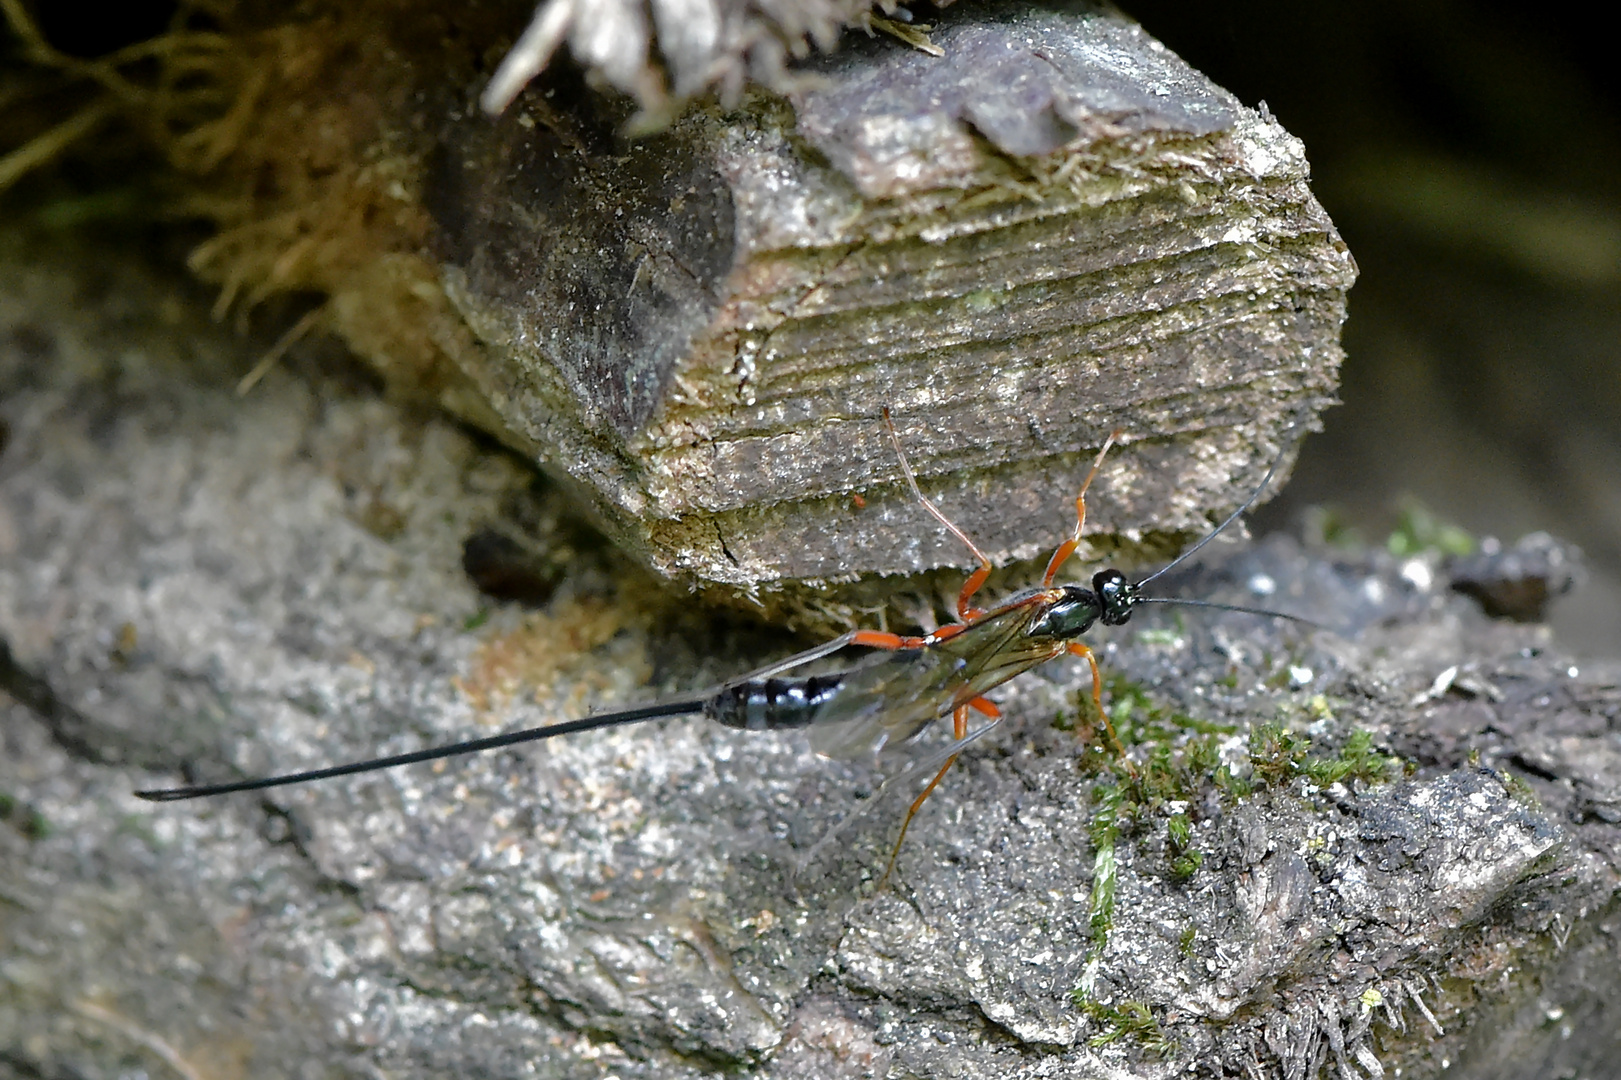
{"x": 904, "y": 783}
{"x": 883, "y": 703}
{"x": 891, "y": 697}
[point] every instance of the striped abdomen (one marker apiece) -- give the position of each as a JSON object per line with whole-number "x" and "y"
{"x": 772, "y": 704}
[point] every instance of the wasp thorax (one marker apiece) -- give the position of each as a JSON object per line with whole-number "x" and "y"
{"x": 1071, "y": 615}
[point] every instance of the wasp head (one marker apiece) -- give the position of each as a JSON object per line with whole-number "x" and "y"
{"x": 1115, "y": 596}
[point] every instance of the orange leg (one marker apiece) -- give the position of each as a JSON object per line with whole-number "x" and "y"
{"x": 1076, "y": 648}
{"x": 1085, "y": 652}
{"x": 959, "y": 728}
{"x": 881, "y": 639}
{"x": 966, "y": 611}
{"x": 1067, "y": 548}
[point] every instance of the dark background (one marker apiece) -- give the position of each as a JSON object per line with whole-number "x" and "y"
{"x": 1471, "y": 155}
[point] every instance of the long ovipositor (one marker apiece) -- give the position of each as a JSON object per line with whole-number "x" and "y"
{"x": 887, "y": 697}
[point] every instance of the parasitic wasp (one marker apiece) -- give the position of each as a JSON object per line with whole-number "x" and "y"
{"x": 905, "y": 683}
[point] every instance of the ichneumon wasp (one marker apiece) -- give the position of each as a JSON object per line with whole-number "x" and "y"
{"x": 888, "y": 697}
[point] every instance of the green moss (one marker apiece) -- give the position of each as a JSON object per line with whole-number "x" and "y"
{"x": 1108, "y": 799}
{"x": 1129, "y": 1018}
{"x": 1418, "y": 531}
{"x": 1276, "y": 754}
{"x": 1231, "y": 784}
{"x": 983, "y": 300}
{"x": 1138, "y": 719}
{"x": 1185, "y": 860}
{"x": 1202, "y": 754}
{"x": 1176, "y": 771}
{"x": 34, "y": 825}
{"x": 1180, "y": 767}
{"x": 1187, "y": 864}
{"x": 1359, "y": 761}
{"x": 1157, "y": 780}
{"x": 1126, "y": 701}
{"x": 1179, "y": 830}
{"x": 1518, "y": 789}
{"x": 1330, "y": 525}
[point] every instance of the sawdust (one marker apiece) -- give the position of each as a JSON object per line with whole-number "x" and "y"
{"x": 557, "y": 649}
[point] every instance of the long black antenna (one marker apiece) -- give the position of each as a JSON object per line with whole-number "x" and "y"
{"x": 567, "y": 727}
{"x": 1249, "y": 502}
{"x": 1229, "y": 607}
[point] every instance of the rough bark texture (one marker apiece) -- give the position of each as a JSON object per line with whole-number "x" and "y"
{"x": 1053, "y": 230}
{"x": 196, "y": 584}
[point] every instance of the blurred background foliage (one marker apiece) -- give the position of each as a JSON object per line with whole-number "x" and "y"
{"x": 1470, "y": 152}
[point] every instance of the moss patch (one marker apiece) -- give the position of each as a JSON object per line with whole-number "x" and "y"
{"x": 1174, "y": 764}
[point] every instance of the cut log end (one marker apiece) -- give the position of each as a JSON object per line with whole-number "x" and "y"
{"x": 1016, "y": 248}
